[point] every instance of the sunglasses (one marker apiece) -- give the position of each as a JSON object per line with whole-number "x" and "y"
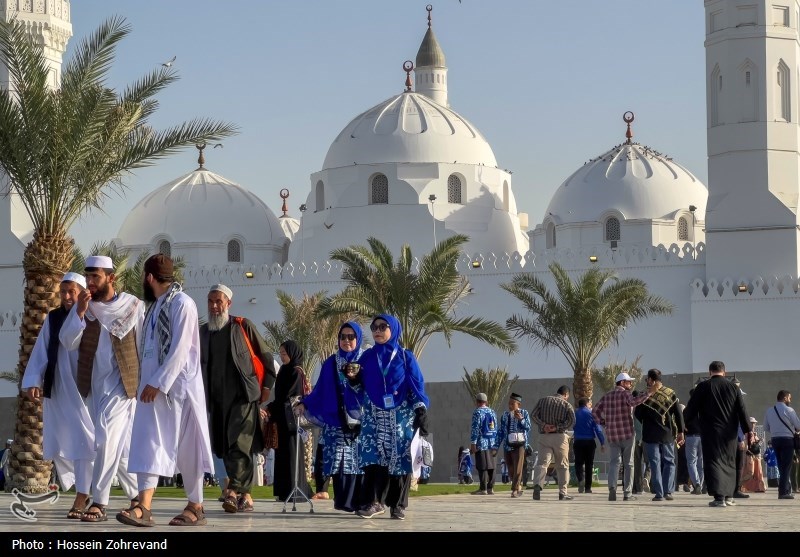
{"x": 345, "y": 336}
{"x": 379, "y": 327}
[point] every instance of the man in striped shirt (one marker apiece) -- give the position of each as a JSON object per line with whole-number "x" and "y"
{"x": 613, "y": 412}
{"x": 554, "y": 416}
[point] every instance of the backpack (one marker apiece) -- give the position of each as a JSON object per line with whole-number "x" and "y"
{"x": 489, "y": 425}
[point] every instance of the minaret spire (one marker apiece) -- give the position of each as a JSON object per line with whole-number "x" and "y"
{"x": 430, "y": 69}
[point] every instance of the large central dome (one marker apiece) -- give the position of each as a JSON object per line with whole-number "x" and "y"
{"x": 409, "y": 127}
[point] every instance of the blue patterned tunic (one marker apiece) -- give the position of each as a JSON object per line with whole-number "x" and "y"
{"x": 476, "y": 438}
{"x": 386, "y": 437}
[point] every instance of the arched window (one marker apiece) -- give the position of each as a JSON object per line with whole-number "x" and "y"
{"x": 165, "y": 248}
{"x": 550, "y": 240}
{"x": 234, "y": 251}
{"x": 380, "y": 189}
{"x": 320, "y": 196}
{"x": 683, "y": 229}
{"x": 454, "y": 189}
{"x": 612, "y": 229}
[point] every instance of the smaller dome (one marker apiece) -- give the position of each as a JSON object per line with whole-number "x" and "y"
{"x": 430, "y": 53}
{"x": 409, "y": 127}
{"x": 201, "y": 207}
{"x": 635, "y": 180}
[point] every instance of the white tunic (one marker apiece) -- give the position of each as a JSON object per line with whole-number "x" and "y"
{"x": 179, "y": 409}
{"x": 68, "y": 424}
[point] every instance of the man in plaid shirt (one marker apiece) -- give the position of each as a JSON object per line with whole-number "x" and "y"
{"x": 613, "y": 412}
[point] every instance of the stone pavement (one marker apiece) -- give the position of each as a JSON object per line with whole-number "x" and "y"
{"x": 762, "y": 512}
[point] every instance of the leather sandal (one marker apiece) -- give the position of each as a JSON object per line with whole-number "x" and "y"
{"x": 244, "y": 505}
{"x": 127, "y": 516}
{"x": 184, "y": 519}
{"x": 98, "y": 515}
{"x": 231, "y": 505}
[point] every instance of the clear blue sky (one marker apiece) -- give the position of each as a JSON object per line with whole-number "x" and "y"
{"x": 546, "y": 82}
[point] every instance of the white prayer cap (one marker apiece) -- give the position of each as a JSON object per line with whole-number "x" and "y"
{"x": 76, "y": 278}
{"x": 99, "y": 262}
{"x": 222, "y": 288}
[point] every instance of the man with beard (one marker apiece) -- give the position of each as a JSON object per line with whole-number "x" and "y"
{"x": 233, "y": 393}
{"x": 68, "y": 427}
{"x": 170, "y": 429}
{"x": 104, "y": 328}
{"x": 718, "y": 406}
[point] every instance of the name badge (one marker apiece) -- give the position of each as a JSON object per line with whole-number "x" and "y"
{"x": 388, "y": 401}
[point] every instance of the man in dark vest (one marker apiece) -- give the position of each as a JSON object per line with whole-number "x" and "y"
{"x": 104, "y": 329}
{"x": 68, "y": 432}
{"x": 233, "y": 393}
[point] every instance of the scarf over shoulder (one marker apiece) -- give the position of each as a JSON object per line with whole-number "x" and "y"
{"x": 333, "y": 394}
{"x": 389, "y": 369}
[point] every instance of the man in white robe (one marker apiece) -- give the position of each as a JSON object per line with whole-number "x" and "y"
{"x": 170, "y": 430}
{"x": 68, "y": 427}
{"x": 103, "y": 321}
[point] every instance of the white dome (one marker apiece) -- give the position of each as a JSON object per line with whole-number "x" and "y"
{"x": 409, "y": 127}
{"x": 631, "y": 178}
{"x": 199, "y": 208}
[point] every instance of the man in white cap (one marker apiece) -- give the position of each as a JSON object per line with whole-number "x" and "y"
{"x": 613, "y": 412}
{"x": 235, "y": 386}
{"x": 170, "y": 431}
{"x": 68, "y": 426}
{"x": 104, "y": 329}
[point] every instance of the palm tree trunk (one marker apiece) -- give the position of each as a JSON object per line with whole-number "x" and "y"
{"x": 46, "y": 259}
{"x": 582, "y": 384}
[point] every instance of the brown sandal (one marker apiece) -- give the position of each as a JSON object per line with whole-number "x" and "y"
{"x": 98, "y": 515}
{"x": 231, "y": 504}
{"x": 132, "y": 520}
{"x": 183, "y": 519}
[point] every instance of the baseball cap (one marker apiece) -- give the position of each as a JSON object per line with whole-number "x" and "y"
{"x": 753, "y": 420}
{"x": 623, "y": 377}
{"x": 481, "y": 397}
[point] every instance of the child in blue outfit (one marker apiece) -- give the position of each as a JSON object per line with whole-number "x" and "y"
{"x": 465, "y": 467}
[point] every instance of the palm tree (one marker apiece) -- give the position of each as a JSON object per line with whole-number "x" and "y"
{"x": 495, "y": 383}
{"x": 423, "y": 295}
{"x": 604, "y": 377}
{"x": 580, "y": 318}
{"x": 62, "y": 152}
{"x": 313, "y": 333}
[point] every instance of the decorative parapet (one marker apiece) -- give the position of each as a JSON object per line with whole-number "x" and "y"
{"x": 10, "y": 321}
{"x": 745, "y": 289}
{"x": 623, "y": 257}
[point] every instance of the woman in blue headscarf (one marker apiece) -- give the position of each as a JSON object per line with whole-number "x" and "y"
{"x": 395, "y": 407}
{"x": 335, "y": 405}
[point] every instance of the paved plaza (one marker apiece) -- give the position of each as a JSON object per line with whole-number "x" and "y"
{"x": 762, "y": 512}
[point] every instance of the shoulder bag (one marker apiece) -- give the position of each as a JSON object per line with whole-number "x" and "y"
{"x": 515, "y": 439}
{"x": 796, "y": 434}
{"x": 258, "y": 366}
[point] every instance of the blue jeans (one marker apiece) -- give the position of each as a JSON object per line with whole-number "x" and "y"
{"x": 694, "y": 460}
{"x": 784, "y": 451}
{"x": 661, "y": 457}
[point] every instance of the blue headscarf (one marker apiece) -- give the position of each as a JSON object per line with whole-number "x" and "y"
{"x": 332, "y": 394}
{"x": 388, "y": 369}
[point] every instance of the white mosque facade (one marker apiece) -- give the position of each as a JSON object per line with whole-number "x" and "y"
{"x": 411, "y": 170}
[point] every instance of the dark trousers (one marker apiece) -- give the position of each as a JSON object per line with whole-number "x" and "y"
{"x": 484, "y": 463}
{"x": 320, "y": 481}
{"x": 380, "y": 487}
{"x": 584, "y": 461}
{"x": 641, "y": 471}
{"x": 239, "y": 467}
{"x": 784, "y": 451}
{"x": 515, "y": 460}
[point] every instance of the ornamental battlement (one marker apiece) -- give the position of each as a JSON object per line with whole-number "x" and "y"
{"x": 746, "y": 289}
{"x": 470, "y": 265}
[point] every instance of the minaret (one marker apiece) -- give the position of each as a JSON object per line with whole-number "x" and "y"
{"x": 430, "y": 71}
{"x": 753, "y": 139}
{"x": 48, "y": 21}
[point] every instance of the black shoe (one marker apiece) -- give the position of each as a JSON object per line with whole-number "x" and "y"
{"x": 740, "y": 495}
{"x": 730, "y": 502}
{"x": 588, "y": 490}
{"x": 669, "y": 497}
{"x": 537, "y": 493}
{"x": 612, "y": 495}
{"x": 397, "y": 513}
{"x": 565, "y": 497}
{"x": 717, "y": 503}
{"x": 630, "y": 498}
{"x": 787, "y": 496}
{"x": 657, "y": 498}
